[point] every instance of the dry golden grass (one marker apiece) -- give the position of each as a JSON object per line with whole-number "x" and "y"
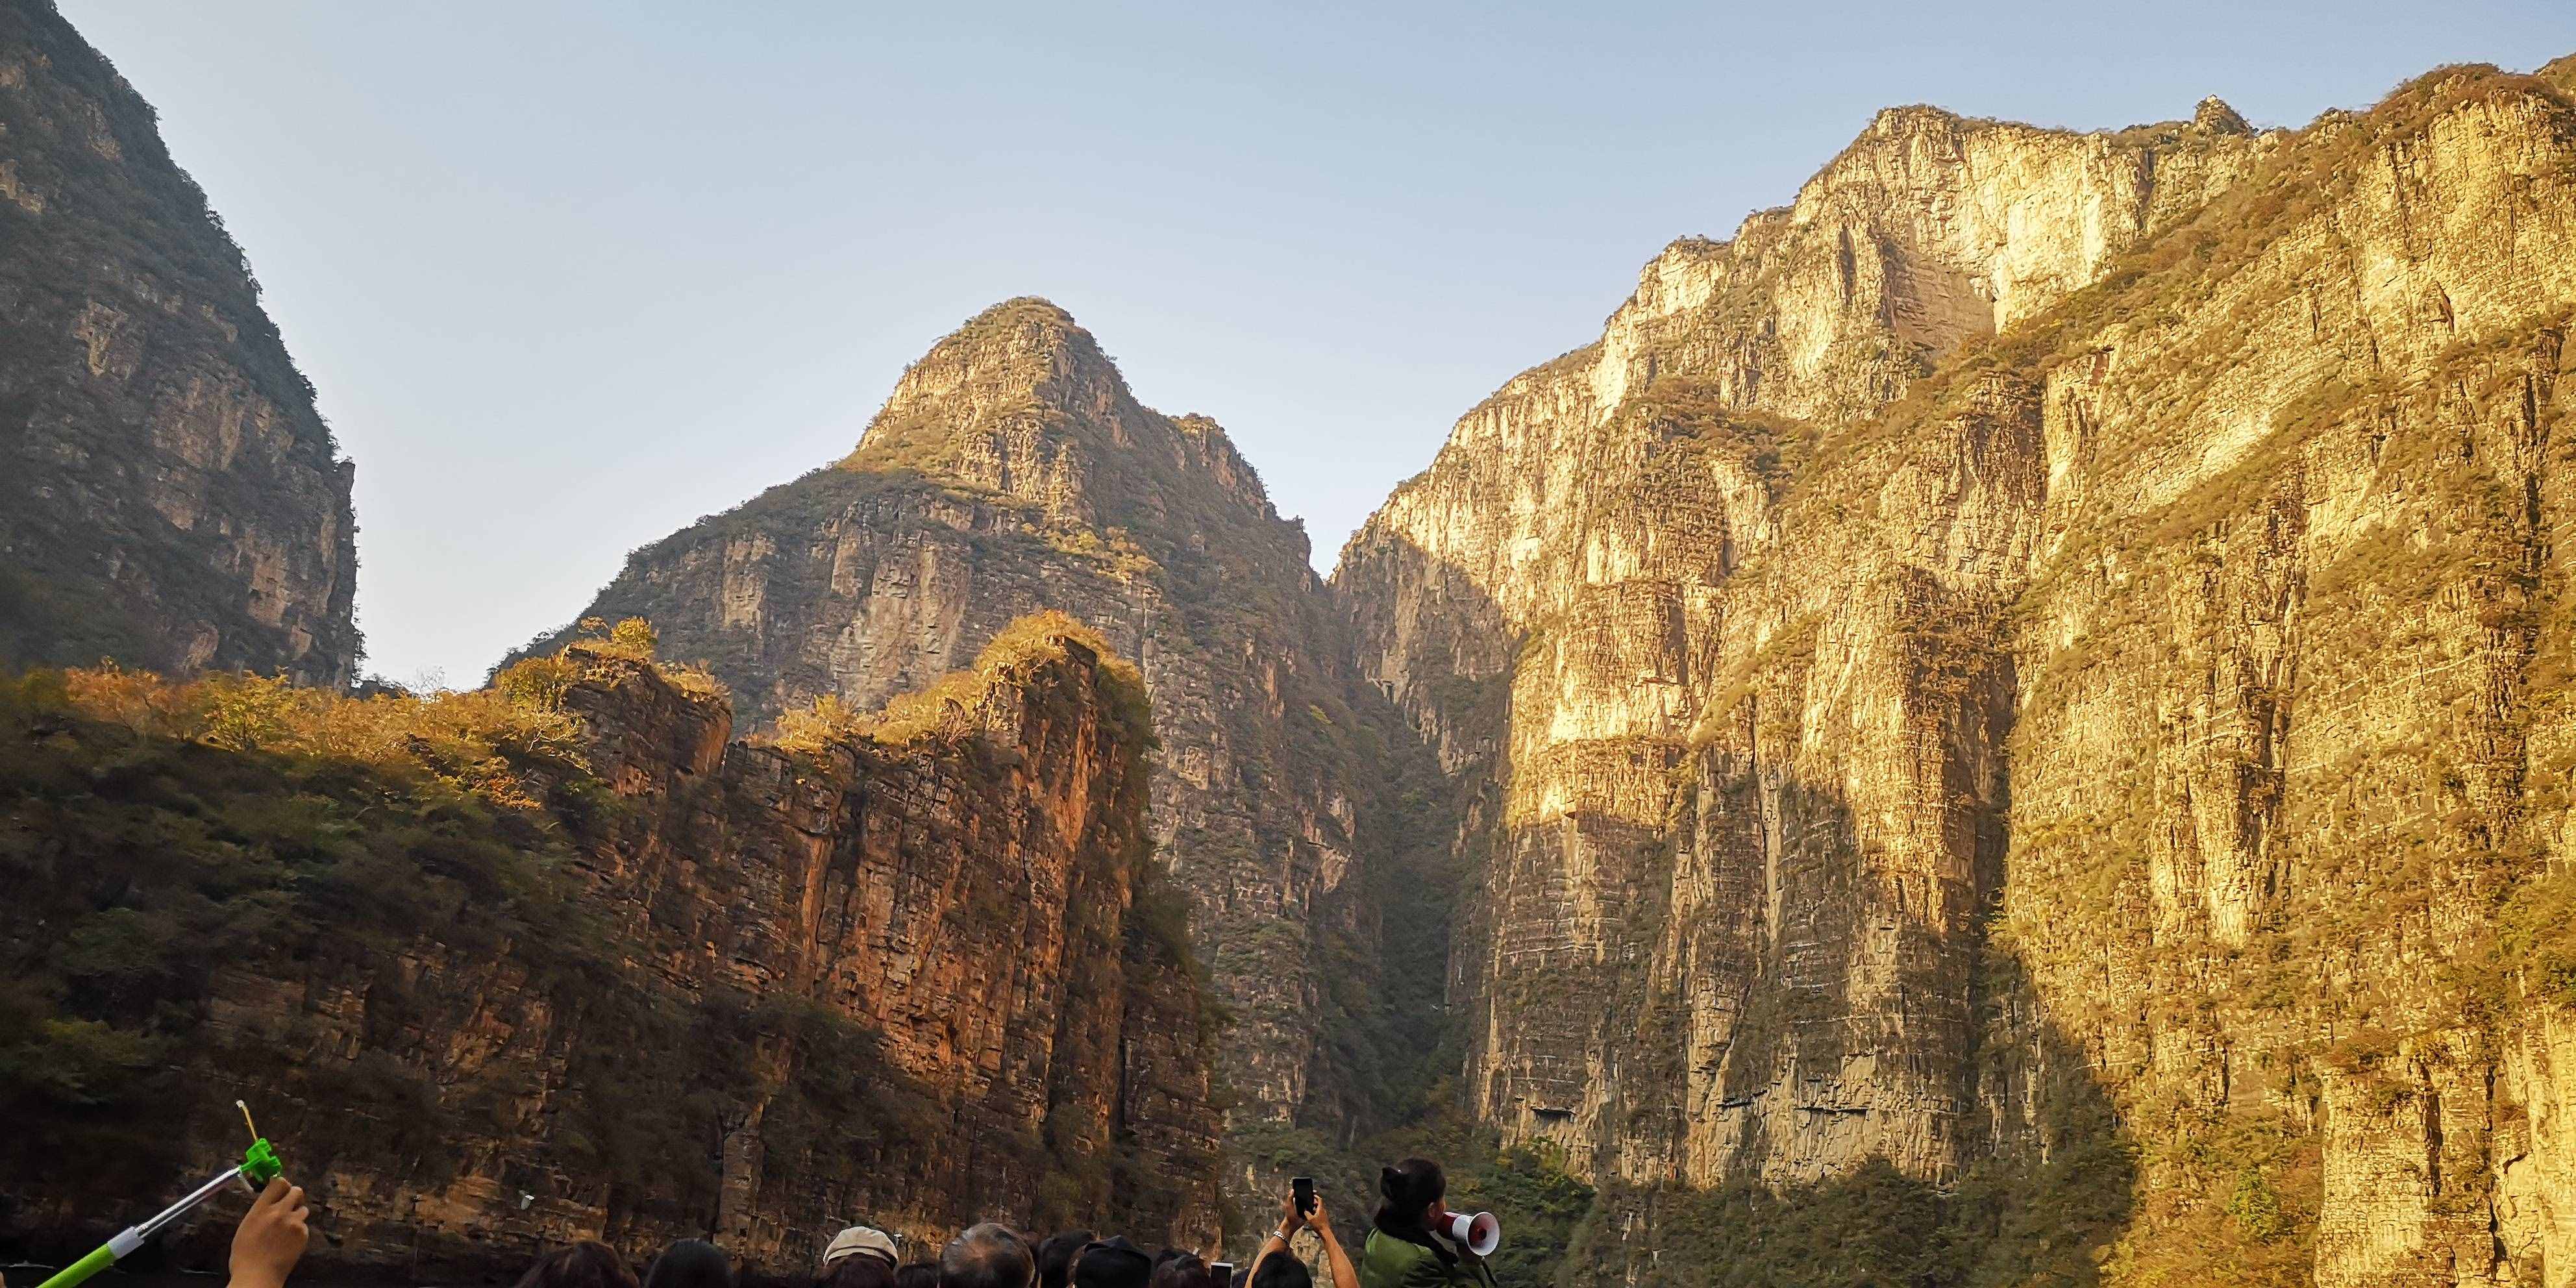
{"x": 943, "y": 706}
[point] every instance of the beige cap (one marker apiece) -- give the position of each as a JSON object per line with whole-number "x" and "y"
{"x": 856, "y": 1239}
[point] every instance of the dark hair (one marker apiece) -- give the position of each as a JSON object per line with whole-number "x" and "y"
{"x": 1409, "y": 1187}
{"x": 1113, "y": 1263}
{"x": 587, "y": 1264}
{"x": 920, "y": 1274}
{"x": 1178, "y": 1269}
{"x": 863, "y": 1270}
{"x": 690, "y": 1263}
{"x": 1280, "y": 1269}
{"x": 987, "y": 1255}
{"x": 1056, "y": 1254}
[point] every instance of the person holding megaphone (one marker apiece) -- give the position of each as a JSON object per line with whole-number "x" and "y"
{"x": 1417, "y": 1242}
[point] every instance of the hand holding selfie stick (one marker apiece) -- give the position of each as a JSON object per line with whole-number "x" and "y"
{"x": 259, "y": 1164}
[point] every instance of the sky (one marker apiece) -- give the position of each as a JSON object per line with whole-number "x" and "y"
{"x": 569, "y": 276}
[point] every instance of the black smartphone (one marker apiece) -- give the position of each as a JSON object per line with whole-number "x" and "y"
{"x": 1221, "y": 1273}
{"x": 1302, "y": 1188}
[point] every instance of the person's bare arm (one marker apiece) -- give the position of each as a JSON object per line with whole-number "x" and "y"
{"x": 1344, "y": 1276}
{"x": 1277, "y": 1242}
{"x": 271, "y": 1237}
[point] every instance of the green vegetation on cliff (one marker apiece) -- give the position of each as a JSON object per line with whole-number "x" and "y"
{"x": 396, "y": 925}
{"x": 176, "y": 844}
{"x": 176, "y": 500}
{"x": 2038, "y": 744}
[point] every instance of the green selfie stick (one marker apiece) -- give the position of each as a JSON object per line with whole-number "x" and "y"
{"x": 259, "y": 1164}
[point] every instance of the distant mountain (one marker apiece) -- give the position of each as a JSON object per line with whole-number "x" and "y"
{"x": 2013, "y": 722}
{"x": 1012, "y": 470}
{"x": 168, "y": 495}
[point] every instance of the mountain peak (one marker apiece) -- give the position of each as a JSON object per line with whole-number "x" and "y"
{"x": 2215, "y": 116}
{"x": 1020, "y": 357}
{"x": 1026, "y": 339}
{"x": 1021, "y": 400}
{"x": 1912, "y": 118}
{"x": 2561, "y": 72}
{"x": 1033, "y": 314}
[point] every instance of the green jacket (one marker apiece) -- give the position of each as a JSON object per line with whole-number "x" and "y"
{"x": 1390, "y": 1262}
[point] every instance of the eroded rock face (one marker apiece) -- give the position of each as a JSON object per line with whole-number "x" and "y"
{"x": 912, "y": 982}
{"x": 2047, "y": 629}
{"x": 965, "y": 894}
{"x": 172, "y": 498}
{"x": 1012, "y": 471}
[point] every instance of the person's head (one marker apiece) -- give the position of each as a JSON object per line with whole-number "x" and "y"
{"x": 1280, "y": 1270}
{"x": 919, "y": 1274}
{"x": 1179, "y": 1270}
{"x": 1055, "y": 1257}
{"x": 1411, "y": 1209}
{"x": 989, "y": 1255}
{"x": 859, "y": 1241}
{"x": 588, "y": 1264}
{"x": 866, "y": 1270}
{"x": 690, "y": 1263}
{"x": 1113, "y": 1263}
{"x": 1412, "y": 1190}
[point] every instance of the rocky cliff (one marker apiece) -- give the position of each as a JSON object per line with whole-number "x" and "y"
{"x": 1013, "y": 470}
{"x": 2032, "y": 678}
{"x": 561, "y": 959}
{"x": 172, "y": 497}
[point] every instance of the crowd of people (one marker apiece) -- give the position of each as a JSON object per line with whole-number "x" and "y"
{"x": 1405, "y": 1246}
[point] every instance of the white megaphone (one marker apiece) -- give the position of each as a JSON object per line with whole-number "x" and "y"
{"x": 1479, "y": 1234}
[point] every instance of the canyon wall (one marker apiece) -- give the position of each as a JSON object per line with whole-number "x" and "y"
{"x": 172, "y": 498}
{"x": 2009, "y": 722}
{"x": 1012, "y": 470}
{"x": 2033, "y": 674}
{"x": 633, "y": 979}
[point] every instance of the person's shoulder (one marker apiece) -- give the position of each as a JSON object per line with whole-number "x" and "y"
{"x": 1383, "y": 1247}
{"x": 1417, "y": 1266}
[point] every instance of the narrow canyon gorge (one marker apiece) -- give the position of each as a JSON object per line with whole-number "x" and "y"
{"x": 2014, "y": 721}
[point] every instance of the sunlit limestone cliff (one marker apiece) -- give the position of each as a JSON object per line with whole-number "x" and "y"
{"x": 1012, "y": 470}
{"x": 168, "y": 495}
{"x": 2034, "y": 680}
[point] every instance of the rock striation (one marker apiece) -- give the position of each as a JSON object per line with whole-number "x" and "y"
{"x": 921, "y": 977}
{"x": 2010, "y": 722}
{"x": 172, "y": 497}
{"x": 1013, "y": 470}
{"x": 2032, "y": 673}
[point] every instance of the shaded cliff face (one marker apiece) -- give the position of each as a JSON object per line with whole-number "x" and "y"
{"x": 2031, "y": 674}
{"x": 172, "y": 498}
{"x": 634, "y": 980}
{"x": 1012, "y": 470}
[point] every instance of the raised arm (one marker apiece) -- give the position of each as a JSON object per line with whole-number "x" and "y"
{"x": 1344, "y": 1276}
{"x": 1276, "y": 1244}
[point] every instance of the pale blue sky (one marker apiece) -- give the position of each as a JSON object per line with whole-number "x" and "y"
{"x": 570, "y": 275}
